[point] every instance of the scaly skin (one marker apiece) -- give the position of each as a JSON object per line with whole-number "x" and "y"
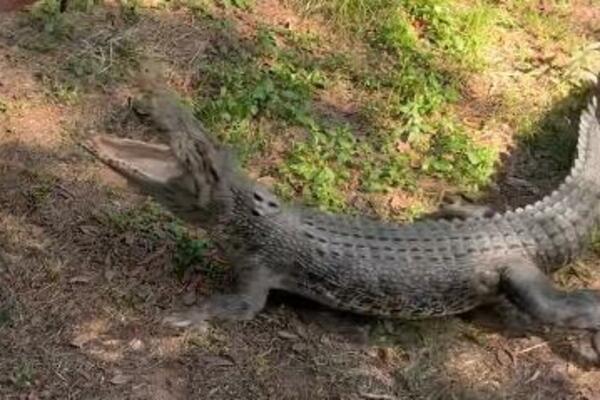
{"x": 425, "y": 269}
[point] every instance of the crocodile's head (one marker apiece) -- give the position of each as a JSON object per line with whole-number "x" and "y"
{"x": 154, "y": 169}
{"x": 188, "y": 176}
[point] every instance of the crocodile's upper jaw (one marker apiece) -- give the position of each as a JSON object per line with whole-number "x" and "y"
{"x": 144, "y": 163}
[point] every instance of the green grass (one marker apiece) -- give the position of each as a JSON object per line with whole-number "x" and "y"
{"x": 45, "y": 16}
{"x": 23, "y": 375}
{"x": 405, "y": 63}
{"x": 105, "y": 58}
{"x": 150, "y": 223}
{"x": 5, "y": 317}
{"x": 278, "y": 74}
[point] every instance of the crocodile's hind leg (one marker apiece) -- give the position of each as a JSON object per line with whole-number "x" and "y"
{"x": 502, "y": 314}
{"x": 254, "y": 283}
{"x": 533, "y": 292}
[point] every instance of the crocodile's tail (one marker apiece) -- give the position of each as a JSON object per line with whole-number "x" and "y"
{"x": 586, "y": 169}
{"x": 561, "y": 222}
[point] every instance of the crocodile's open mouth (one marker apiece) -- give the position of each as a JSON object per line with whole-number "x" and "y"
{"x": 152, "y": 163}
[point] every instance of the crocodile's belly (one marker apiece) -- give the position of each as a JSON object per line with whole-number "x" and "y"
{"x": 389, "y": 288}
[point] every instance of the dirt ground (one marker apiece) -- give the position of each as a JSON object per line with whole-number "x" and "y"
{"x": 81, "y": 301}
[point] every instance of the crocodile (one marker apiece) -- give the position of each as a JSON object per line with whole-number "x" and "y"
{"x": 424, "y": 269}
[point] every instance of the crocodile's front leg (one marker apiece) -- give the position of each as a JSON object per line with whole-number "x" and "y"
{"x": 254, "y": 283}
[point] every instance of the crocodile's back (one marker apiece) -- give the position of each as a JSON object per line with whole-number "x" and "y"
{"x": 373, "y": 268}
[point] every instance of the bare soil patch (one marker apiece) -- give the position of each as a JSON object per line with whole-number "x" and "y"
{"x": 81, "y": 298}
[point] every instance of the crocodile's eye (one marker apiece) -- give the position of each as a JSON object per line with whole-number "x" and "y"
{"x": 272, "y": 204}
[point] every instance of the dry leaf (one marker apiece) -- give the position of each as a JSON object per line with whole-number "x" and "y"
{"x": 287, "y": 335}
{"x": 80, "y": 279}
{"x": 268, "y": 181}
{"x": 399, "y": 201}
{"x": 216, "y": 361}
{"x": 136, "y": 344}
{"x": 89, "y": 230}
{"x": 403, "y": 147}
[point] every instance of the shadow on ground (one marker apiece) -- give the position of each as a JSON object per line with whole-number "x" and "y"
{"x": 86, "y": 267}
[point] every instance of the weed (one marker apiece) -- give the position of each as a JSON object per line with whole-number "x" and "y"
{"x": 82, "y": 5}
{"x": 102, "y": 59}
{"x": 41, "y": 188}
{"x": 23, "y": 375}
{"x": 146, "y": 221}
{"x": 278, "y": 79}
{"x": 243, "y": 4}
{"x": 5, "y": 318}
{"x": 151, "y": 223}
{"x": 106, "y": 60}
{"x": 130, "y": 10}
{"x": 61, "y": 91}
{"x": 249, "y": 90}
{"x": 189, "y": 251}
{"x": 53, "y": 25}
{"x": 241, "y": 88}
{"x": 411, "y": 93}
{"x": 322, "y": 165}
{"x": 454, "y": 156}
{"x": 595, "y": 241}
{"x": 381, "y": 174}
{"x": 584, "y": 64}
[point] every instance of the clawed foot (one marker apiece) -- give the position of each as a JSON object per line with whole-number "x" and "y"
{"x": 458, "y": 207}
{"x": 221, "y": 307}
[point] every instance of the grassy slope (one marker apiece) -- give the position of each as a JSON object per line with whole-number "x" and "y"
{"x": 402, "y": 80}
{"x": 396, "y": 74}
{"x": 377, "y": 106}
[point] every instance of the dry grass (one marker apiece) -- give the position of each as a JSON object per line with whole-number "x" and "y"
{"x": 83, "y": 288}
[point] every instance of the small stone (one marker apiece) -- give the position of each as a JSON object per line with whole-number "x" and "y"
{"x": 301, "y": 331}
{"x": 80, "y": 279}
{"x": 136, "y": 344}
{"x": 109, "y": 274}
{"x": 189, "y": 298}
{"x": 300, "y": 347}
{"x": 120, "y": 379}
{"x": 216, "y": 361}
{"x": 79, "y": 341}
